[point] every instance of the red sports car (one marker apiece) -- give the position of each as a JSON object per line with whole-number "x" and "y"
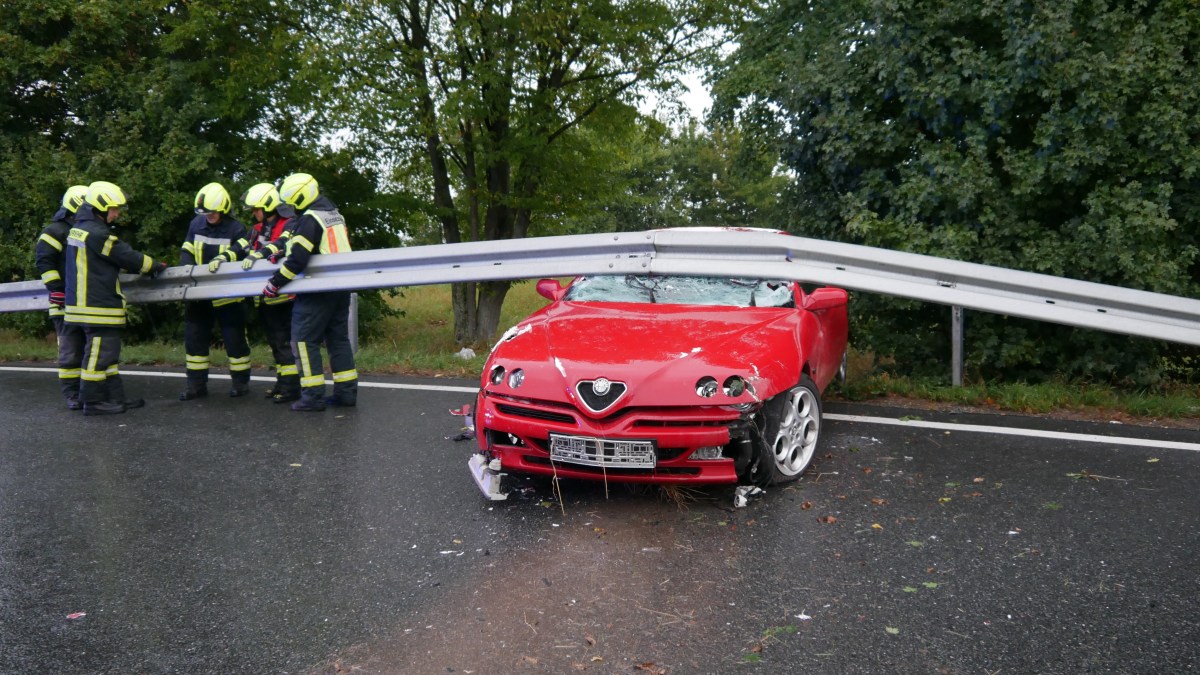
{"x": 661, "y": 379}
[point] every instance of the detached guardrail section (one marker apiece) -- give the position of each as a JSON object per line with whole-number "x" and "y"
{"x": 700, "y": 252}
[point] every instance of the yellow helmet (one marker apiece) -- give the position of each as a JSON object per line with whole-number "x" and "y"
{"x": 212, "y": 198}
{"x": 299, "y": 190}
{"x": 262, "y": 196}
{"x": 73, "y": 197}
{"x": 104, "y": 195}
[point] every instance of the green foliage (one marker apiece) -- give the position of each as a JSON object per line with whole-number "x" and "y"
{"x": 1058, "y": 138}
{"x": 159, "y": 98}
{"x": 681, "y": 178}
{"x": 498, "y": 119}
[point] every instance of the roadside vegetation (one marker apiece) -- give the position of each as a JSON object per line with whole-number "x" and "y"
{"x": 420, "y": 341}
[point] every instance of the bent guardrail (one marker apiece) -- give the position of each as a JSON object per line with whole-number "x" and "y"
{"x": 696, "y": 252}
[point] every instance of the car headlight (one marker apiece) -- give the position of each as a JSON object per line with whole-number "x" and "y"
{"x": 497, "y": 375}
{"x": 516, "y": 378}
{"x": 706, "y": 387}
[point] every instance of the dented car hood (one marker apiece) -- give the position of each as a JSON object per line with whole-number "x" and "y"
{"x": 660, "y": 351}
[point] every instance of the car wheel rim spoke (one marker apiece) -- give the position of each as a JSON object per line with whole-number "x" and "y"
{"x": 799, "y": 429}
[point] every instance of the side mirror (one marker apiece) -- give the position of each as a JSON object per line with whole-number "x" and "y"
{"x": 550, "y": 289}
{"x": 825, "y": 298}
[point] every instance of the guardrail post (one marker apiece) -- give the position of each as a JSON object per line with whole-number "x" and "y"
{"x": 956, "y": 349}
{"x": 353, "y": 322}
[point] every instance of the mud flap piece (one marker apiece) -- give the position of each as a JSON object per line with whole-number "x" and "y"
{"x": 487, "y": 478}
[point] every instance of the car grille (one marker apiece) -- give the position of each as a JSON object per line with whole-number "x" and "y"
{"x": 535, "y": 413}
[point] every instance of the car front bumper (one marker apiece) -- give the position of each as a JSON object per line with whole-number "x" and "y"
{"x": 517, "y": 432}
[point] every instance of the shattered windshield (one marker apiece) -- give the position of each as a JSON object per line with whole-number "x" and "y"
{"x": 680, "y": 290}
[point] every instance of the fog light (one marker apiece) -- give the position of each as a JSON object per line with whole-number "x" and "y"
{"x": 706, "y": 387}
{"x": 734, "y": 386}
{"x": 497, "y": 375}
{"x": 516, "y": 378}
{"x": 707, "y": 452}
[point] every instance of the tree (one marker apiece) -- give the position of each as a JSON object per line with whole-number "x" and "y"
{"x": 1061, "y": 138}
{"x": 504, "y": 105}
{"x": 686, "y": 177}
{"x": 159, "y": 98}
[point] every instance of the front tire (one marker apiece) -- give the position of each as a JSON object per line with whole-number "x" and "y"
{"x": 791, "y": 433}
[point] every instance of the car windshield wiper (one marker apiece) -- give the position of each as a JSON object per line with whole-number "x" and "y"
{"x": 641, "y": 282}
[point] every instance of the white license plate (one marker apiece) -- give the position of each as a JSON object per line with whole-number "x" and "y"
{"x": 602, "y": 452}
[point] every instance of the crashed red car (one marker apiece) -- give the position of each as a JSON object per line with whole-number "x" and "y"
{"x": 661, "y": 379}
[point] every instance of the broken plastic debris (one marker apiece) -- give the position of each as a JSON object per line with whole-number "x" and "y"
{"x": 743, "y": 493}
{"x": 464, "y": 411}
{"x": 465, "y": 434}
{"x": 76, "y": 615}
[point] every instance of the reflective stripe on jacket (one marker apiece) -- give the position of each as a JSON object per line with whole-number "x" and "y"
{"x": 48, "y": 255}
{"x": 320, "y": 230}
{"x": 94, "y": 258}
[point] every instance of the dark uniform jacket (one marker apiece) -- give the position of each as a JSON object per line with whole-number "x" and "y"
{"x": 94, "y": 257}
{"x": 48, "y": 254}
{"x": 205, "y": 242}
{"x": 319, "y": 230}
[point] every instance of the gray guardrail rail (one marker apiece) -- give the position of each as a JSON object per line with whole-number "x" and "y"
{"x": 703, "y": 252}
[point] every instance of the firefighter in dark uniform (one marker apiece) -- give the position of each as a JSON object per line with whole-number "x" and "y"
{"x": 94, "y": 257}
{"x": 274, "y": 222}
{"x": 317, "y": 317}
{"x": 51, "y": 265}
{"x": 209, "y": 235}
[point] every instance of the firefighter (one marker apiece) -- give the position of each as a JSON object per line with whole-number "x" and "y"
{"x": 50, "y": 263}
{"x": 209, "y": 235}
{"x": 273, "y": 224}
{"x": 317, "y": 317}
{"x": 93, "y": 300}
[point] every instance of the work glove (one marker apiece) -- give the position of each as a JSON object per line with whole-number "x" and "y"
{"x": 271, "y": 290}
{"x": 158, "y": 269}
{"x": 214, "y": 264}
{"x": 58, "y": 298}
{"x": 254, "y": 257}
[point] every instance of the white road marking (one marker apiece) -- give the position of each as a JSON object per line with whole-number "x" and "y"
{"x": 259, "y": 378}
{"x": 889, "y": 421}
{"x": 1015, "y": 431}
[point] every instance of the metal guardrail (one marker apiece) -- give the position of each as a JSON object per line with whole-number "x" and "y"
{"x": 701, "y": 252}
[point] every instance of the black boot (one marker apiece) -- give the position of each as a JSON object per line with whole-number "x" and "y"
{"x": 309, "y": 404}
{"x": 116, "y": 394}
{"x": 194, "y": 391}
{"x": 241, "y": 384}
{"x": 103, "y": 408}
{"x": 287, "y": 389}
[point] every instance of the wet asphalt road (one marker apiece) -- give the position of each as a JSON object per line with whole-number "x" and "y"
{"x": 230, "y": 536}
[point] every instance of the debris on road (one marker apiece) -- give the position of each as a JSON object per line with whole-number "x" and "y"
{"x": 744, "y": 493}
